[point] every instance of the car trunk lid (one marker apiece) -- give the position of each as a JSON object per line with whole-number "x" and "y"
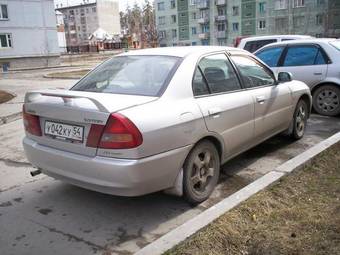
{"x": 66, "y": 117}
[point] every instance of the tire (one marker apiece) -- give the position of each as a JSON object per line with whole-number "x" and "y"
{"x": 299, "y": 120}
{"x": 200, "y": 172}
{"x": 326, "y": 100}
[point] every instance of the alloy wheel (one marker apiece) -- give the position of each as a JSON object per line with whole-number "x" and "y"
{"x": 202, "y": 171}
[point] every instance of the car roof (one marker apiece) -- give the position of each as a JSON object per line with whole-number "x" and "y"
{"x": 181, "y": 51}
{"x": 302, "y": 41}
{"x": 264, "y": 37}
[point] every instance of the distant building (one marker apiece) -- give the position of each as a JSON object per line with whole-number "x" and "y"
{"x": 220, "y": 22}
{"x": 28, "y": 34}
{"x": 81, "y": 21}
{"x": 61, "y": 31}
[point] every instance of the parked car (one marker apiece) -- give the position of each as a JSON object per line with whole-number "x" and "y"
{"x": 161, "y": 119}
{"x": 315, "y": 62}
{"x": 254, "y": 43}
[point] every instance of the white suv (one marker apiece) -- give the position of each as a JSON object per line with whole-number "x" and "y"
{"x": 316, "y": 62}
{"x": 252, "y": 44}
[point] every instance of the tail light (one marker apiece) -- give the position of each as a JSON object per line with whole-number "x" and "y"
{"x": 119, "y": 133}
{"x": 31, "y": 123}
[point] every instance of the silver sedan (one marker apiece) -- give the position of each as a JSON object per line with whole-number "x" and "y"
{"x": 161, "y": 119}
{"x": 313, "y": 61}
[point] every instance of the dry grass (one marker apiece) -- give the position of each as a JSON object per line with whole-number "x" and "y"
{"x": 68, "y": 74}
{"x": 4, "y": 96}
{"x": 300, "y": 214}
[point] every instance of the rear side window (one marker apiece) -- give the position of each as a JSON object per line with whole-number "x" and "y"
{"x": 219, "y": 74}
{"x": 255, "y": 45}
{"x": 199, "y": 85}
{"x": 253, "y": 73}
{"x": 132, "y": 75}
{"x": 270, "y": 56}
{"x": 303, "y": 56}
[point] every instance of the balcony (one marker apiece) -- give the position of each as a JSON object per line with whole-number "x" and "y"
{"x": 203, "y": 36}
{"x": 203, "y": 4}
{"x": 220, "y": 2}
{"x": 220, "y": 18}
{"x": 203, "y": 20}
{"x": 221, "y": 34}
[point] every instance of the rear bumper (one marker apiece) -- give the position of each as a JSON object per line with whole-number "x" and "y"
{"x": 123, "y": 177}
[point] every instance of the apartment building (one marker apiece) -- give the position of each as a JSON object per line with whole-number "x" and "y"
{"x": 28, "y": 34}
{"x": 82, "y": 20}
{"x": 220, "y": 22}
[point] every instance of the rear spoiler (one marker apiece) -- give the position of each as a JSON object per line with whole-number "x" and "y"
{"x": 30, "y": 97}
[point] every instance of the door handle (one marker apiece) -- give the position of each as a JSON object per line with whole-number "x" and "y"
{"x": 260, "y": 99}
{"x": 215, "y": 112}
{"x": 316, "y": 73}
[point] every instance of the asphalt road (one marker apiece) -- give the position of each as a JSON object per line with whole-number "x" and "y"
{"x": 44, "y": 216}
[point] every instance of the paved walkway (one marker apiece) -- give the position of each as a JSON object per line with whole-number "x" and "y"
{"x": 11, "y": 110}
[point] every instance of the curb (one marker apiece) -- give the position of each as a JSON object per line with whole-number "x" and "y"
{"x": 190, "y": 227}
{"x": 10, "y": 118}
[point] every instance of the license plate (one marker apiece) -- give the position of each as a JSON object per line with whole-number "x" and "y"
{"x": 64, "y": 131}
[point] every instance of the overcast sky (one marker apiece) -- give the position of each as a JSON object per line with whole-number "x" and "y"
{"x": 122, "y": 3}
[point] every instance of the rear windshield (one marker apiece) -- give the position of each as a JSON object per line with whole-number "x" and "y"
{"x": 255, "y": 45}
{"x": 132, "y": 75}
{"x": 336, "y": 44}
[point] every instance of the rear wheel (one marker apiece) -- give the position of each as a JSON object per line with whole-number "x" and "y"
{"x": 201, "y": 172}
{"x": 326, "y": 100}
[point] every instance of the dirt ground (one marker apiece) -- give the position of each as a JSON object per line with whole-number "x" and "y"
{"x": 4, "y": 96}
{"x": 300, "y": 214}
{"x": 77, "y": 74}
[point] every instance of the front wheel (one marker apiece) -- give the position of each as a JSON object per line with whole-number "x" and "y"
{"x": 201, "y": 172}
{"x": 300, "y": 120}
{"x": 326, "y": 100}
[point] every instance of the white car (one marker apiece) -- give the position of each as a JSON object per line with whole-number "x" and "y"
{"x": 254, "y": 43}
{"x": 315, "y": 62}
{"x": 161, "y": 119}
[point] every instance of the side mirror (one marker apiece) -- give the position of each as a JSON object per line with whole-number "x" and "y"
{"x": 284, "y": 77}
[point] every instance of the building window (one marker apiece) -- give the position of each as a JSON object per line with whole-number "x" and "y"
{"x": 194, "y": 43}
{"x": 235, "y": 10}
{"x": 262, "y": 24}
{"x": 235, "y": 27}
{"x": 5, "y": 40}
{"x": 162, "y": 34}
{"x": 221, "y": 27}
{"x": 220, "y": 11}
{"x": 160, "y": 6}
{"x": 319, "y": 19}
{"x": 298, "y": 21}
{"x": 262, "y": 7}
{"x": 94, "y": 9}
{"x": 205, "y": 28}
{"x": 298, "y": 3}
{"x": 194, "y": 15}
{"x": 173, "y": 4}
{"x": 3, "y": 11}
{"x": 174, "y": 33}
{"x": 161, "y": 20}
{"x": 193, "y": 30}
{"x": 173, "y": 19}
{"x": 280, "y": 4}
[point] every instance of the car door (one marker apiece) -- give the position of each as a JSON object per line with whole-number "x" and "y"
{"x": 273, "y": 102}
{"x": 307, "y": 63}
{"x": 228, "y": 109}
